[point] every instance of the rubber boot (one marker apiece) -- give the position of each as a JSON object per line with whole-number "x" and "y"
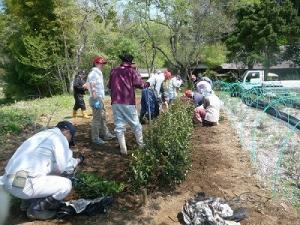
{"x": 139, "y": 138}
{"x": 122, "y": 143}
{"x": 74, "y": 113}
{"x": 84, "y": 114}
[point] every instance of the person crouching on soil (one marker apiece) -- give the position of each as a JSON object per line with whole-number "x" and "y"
{"x": 195, "y": 96}
{"x": 35, "y": 171}
{"x": 79, "y": 88}
{"x": 123, "y": 81}
{"x": 209, "y": 112}
{"x": 99, "y": 131}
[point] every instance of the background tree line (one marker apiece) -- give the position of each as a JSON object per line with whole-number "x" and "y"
{"x": 43, "y": 44}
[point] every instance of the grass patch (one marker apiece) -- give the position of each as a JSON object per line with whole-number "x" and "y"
{"x": 45, "y": 112}
{"x": 291, "y": 192}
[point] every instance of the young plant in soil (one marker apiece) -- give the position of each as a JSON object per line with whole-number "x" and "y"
{"x": 90, "y": 186}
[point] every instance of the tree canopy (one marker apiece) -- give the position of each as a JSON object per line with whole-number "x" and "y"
{"x": 261, "y": 29}
{"x": 44, "y": 44}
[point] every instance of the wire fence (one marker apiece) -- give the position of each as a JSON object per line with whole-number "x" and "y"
{"x": 267, "y": 121}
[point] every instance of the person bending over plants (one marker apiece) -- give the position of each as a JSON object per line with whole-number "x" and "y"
{"x": 35, "y": 173}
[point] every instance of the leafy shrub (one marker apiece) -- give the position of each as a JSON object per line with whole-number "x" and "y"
{"x": 90, "y": 186}
{"x": 165, "y": 158}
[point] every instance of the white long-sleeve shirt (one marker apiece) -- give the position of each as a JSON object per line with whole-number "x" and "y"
{"x": 47, "y": 152}
{"x": 213, "y": 109}
{"x": 156, "y": 82}
{"x": 174, "y": 84}
{"x": 204, "y": 87}
{"x": 96, "y": 83}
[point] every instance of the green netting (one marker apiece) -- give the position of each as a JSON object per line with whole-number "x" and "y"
{"x": 267, "y": 122}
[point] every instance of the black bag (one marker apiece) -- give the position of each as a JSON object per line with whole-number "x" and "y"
{"x": 85, "y": 207}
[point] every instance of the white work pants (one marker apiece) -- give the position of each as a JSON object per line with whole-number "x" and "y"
{"x": 40, "y": 187}
{"x": 123, "y": 115}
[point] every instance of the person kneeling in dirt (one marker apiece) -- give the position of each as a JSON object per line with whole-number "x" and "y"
{"x": 35, "y": 171}
{"x": 195, "y": 96}
{"x": 209, "y": 112}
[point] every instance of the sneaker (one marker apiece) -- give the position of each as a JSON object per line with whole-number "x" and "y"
{"x": 109, "y": 136}
{"x": 99, "y": 142}
{"x": 43, "y": 209}
{"x": 25, "y": 204}
{"x": 41, "y": 214}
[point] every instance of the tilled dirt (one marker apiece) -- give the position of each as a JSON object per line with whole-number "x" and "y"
{"x": 220, "y": 168}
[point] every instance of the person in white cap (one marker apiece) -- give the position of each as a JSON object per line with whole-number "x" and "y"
{"x": 35, "y": 172}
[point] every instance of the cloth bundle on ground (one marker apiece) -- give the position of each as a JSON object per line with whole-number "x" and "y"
{"x": 84, "y": 206}
{"x": 203, "y": 210}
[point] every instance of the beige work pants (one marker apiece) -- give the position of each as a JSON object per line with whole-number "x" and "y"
{"x": 98, "y": 127}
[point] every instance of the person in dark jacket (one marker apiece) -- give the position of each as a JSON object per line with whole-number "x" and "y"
{"x": 79, "y": 90}
{"x": 149, "y": 105}
{"x": 123, "y": 81}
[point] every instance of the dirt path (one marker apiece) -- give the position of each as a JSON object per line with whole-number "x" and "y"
{"x": 220, "y": 168}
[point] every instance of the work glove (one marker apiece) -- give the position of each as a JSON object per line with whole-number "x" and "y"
{"x": 81, "y": 158}
{"x": 67, "y": 174}
{"x": 97, "y": 105}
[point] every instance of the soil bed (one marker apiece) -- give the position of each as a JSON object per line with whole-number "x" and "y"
{"x": 220, "y": 168}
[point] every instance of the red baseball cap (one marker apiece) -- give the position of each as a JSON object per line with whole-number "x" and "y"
{"x": 168, "y": 74}
{"x": 99, "y": 60}
{"x": 188, "y": 93}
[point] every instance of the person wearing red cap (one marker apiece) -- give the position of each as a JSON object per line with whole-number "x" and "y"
{"x": 99, "y": 132}
{"x": 35, "y": 172}
{"x": 157, "y": 85}
{"x": 195, "y": 96}
{"x": 207, "y": 111}
{"x": 123, "y": 81}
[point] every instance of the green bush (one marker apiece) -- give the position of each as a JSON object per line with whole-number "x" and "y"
{"x": 90, "y": 186}
{"x": 166, "y": 158}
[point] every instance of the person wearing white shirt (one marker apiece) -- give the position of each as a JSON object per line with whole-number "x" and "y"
{"x": 173, "y": 86}
{"x": 203, "y": 87}
{"x": 99, "y": 131}
{"x": 35, "y": 171}
{"x": 156, "y": 84}
{"x": 208, "y": 113}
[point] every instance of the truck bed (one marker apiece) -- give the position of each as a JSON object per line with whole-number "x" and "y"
{"x": 283, "y": 83}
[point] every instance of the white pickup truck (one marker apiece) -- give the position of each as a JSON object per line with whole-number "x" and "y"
{"x": 258, "y": 78}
